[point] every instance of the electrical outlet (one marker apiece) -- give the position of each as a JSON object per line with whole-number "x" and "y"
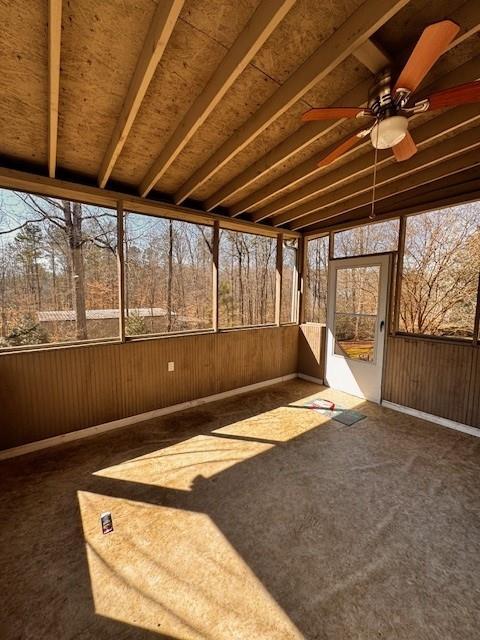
{"x": 171, "y": 366}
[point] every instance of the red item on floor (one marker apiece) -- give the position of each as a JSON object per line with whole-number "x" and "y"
{"x": 323, "y": 404}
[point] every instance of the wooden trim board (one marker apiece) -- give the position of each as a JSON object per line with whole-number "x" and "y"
{"x": 442, "y": 422}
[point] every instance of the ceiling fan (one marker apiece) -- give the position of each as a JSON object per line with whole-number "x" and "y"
{"x": 389, "y": 108}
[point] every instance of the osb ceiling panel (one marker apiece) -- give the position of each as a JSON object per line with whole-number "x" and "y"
{"x": 23, "y": 80}
{"x": 344, "y": 78}
{"x": 398, "y": 36}
{"x": 302, "y": 31}
{"x": 100, "y": 46}
{"x": 96, "y": 68}
{"x": 315, "y": 152}
{"x": 190, "y": 58}
{"x": 306, "y": 26}
{"x": 244, "y": 98}
{"x": 259, "y": 80}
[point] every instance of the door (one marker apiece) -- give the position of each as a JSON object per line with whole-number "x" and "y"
{"x": 356, "y": 324}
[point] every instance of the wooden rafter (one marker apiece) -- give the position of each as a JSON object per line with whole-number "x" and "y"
{"x": 309, "y": 168}
{"x": 295, "y": 143}
{"x": 369, "y": 17}
{"x": 469, "y": 19}
{"x": 157, "y": 38}
{"x": 54, "y": 42}
{"x": 372, "y": 56}
{"x": 265, "y": 19}
{"x": 425, "y": 134}
{"x": 460, "y": 187}
{"x": 446, "y": 158}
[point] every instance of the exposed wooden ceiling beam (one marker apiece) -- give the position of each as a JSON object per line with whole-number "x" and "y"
{"x": 369, "y": 17}
{"x": 468, "y": 20}
{"x": 452, "y": 155}
{"x": 88, "y": 194}
{"x": 300, "y": 139}
{"x": 425, "y": 134}
{"x": 158, "y": 35}
{"x": 263, "y": 22}
{"x": 457, "y": 188}
{"x": 372, "y": 56}
{"x": 465, "y": 73}
{"x": 54, "y": 40}
{"x": 468, "y": 17}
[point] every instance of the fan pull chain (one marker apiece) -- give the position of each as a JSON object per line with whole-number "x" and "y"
{"x": 372, "y": 212}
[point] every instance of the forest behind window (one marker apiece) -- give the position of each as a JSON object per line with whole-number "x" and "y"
{"x": 316, "y": 280}
{"x": 58, "y": 270}
{"x": 441, "y": 269}
{"x": 168, "y": 273}
{"x": 378, "y": 237}
{"x": 246, "y": 291}
{"x": 288, "y": 311}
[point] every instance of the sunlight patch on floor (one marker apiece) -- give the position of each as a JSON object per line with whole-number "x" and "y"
{"x": 177, "y": 466}
{"x": 279, "y": 425}
{"x": 172, "y": 571}
{"x": 341, "y": 399}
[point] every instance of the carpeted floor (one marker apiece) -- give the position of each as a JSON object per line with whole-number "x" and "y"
{"x": 246, "y": 519}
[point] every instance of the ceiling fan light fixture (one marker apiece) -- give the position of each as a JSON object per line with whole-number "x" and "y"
{"x": 389, "y": 132}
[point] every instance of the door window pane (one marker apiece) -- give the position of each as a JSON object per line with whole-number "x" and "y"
{"x": 356, "y": 309}
{"x": 357, "y": 290}
{"x": 355, "y": 336}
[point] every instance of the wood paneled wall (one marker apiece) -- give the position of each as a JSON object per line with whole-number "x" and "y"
{"x": 437, "y": 377}
{"x": 45, "y": 393}
{"x": 311, "y": 350}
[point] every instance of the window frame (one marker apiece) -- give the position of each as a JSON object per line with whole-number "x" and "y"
{"x": 122, "y": 204}
{"x": 122, "y": 212}
{"x": 396, "y": 292}
{"x": 277, "y": 282}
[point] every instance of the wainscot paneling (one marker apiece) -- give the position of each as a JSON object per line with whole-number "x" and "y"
{"x": 437, "y": 377}
{"x": 311, "y": 350}
{"x": 45, "y": 393}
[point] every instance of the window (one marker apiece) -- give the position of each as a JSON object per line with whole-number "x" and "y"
{"x": 246, "y": 279}
{"x": 168, "y": 274}
{"x": 441, "y": 272}
{"x": 378, "y": 237}
{"x": 288, "y": 312}
{"x": 316, "y": 280}
{"x": 58, "y": 270}
{"x": 356, "y": 308}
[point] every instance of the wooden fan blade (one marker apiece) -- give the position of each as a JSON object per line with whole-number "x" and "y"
{"x": 462, "y": 94}
{"x": 405, "y": 149}
{"x": 431, "y": 45}
{"x": 340, "y": 150}
{"x": 331, "y": 113}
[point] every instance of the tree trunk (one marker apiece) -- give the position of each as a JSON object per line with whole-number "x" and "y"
{"x": 73, "y": 220}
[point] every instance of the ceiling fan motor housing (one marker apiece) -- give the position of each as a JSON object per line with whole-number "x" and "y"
{"x": 390, "y": 128}
{"x": 380, "y": 98}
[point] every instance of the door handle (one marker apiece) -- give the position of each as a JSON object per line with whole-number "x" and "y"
{"x": 382, "y": 325}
